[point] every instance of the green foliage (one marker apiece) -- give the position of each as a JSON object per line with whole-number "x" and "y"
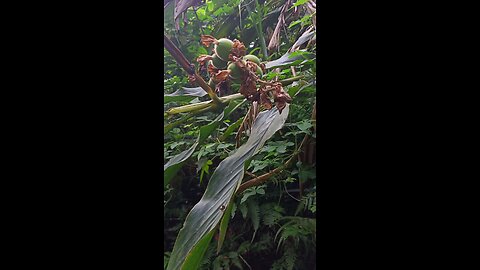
{"x": 274, "y": 221}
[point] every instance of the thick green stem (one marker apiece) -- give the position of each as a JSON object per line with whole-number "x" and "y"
{"x": 259, "y": 29}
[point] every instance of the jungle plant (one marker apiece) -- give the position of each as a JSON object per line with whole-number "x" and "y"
{"x": 223, "y": 150}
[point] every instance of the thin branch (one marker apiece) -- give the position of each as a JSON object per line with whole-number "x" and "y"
{"x": 264, "y": 177}
{"x": 188, "y": 67}
{"x": 249, "y": 267}
{"x": 288, "y": 193}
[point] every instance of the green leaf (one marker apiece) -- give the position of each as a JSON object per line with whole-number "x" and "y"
{"x": 260, "y": 191}
{"x": 282, "y": 149}
{"x": 210, "y": 5}
{"x": 244, "y": 210}
{"x": 195, "y": 256}
{"x": 201, "y": 14}
{"x": 231, "y": 128}
{"x": 184, "y": 94}
{"x": 254, "y": 211}
{"x": 171, "y": 168}
{"x": 225, "y": 180}
{"x": 247, "y": 193}
{"x": 286, "y": 60}
{"x": 304, "y": 126}
{"x": 224, "y": 225}
{"x": 299, "y": 2}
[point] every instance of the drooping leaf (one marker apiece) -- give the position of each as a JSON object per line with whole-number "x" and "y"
{"x": 225, "y": 180}
{"x": 243, "y": 210}
{"x": 305, "y": 37}
{"x": 286, "y": 60}
{"x": 184, "y": 94}
{"x": 175, "y": 163}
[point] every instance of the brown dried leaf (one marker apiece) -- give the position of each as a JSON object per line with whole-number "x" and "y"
{"x": 280, "y": 97}
{"x": 238, "y": 50}
{"x": 221, "y": 76}
{"x": 265, "y": 100}
{"x": 207, "y": 40}
{"x": 247, "y": 122}
{"x": 202, "y": 59}
{"x": 248, "y": 88}
{"x": 275, "y": 40}
{"x": 212, "y": 70}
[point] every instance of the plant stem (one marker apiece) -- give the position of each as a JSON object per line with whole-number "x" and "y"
{"x": 291, "y": 80}
{"x": 203, "y": 105}
{"x": 188, "y": 67}
{"x": 259, "y": 29}
{"x": 264, "y": 177}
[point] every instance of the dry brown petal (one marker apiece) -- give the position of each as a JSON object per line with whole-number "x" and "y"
{"x": 202, "y": 59}
{"x": 280, "y": 106}
{"x": 223, "y": 87}
{"x": 221, "y": 76}
{"x": 207, "y": 40}
{"x": 238, "y": 50}
{"x": 262, "y": 66}
{"x": 211, "y": 69}
{"x": 280, "y": 95}
{"x": 248, "y": 88}
{"x": 265, "y": 101}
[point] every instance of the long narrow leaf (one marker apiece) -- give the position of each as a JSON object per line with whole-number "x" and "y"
{"x": 206, "y": 214}
{"x": 195, "y": 257}
{"x": 286, "y": 60}
{"x": 174, "y": 164}
{"x": 224, "y": 225}
{"x": 184, "y": 94}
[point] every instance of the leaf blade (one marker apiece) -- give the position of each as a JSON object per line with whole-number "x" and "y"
{"x": 224, "y": 181}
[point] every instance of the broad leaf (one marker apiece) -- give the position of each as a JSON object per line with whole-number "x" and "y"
{"x": 225, "y": 180}
{"x": 195, "y": 257}
{"x": 306, "y": 36}
{"x": 175, "y": 163}
{"x": 184, "y": 94}
{"x": 286, "y": 60}
{"x": 224, "y": 225}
